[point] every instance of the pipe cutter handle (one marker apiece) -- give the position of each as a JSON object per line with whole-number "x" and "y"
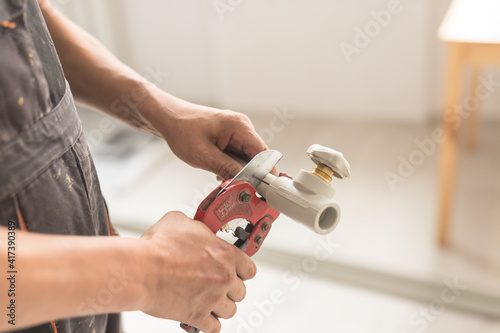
{"x": 237, "y": 201}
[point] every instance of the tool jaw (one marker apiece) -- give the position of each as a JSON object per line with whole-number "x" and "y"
{"x": 257, "y": 169}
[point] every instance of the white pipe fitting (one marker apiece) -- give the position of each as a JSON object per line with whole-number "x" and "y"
{"x": 307, "y": 199}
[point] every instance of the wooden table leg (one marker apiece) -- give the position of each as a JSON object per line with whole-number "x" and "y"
{"x": 473, "y": 122}
{"x": 449, "y": 147}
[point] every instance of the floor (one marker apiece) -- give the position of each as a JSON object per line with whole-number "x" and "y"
{"x": 316, "y": 305}
{"x": 385, "y": 239}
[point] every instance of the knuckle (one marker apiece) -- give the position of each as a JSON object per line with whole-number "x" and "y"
{"x": 176, "y": 214}
{"x": 225, "y": 277}
{"x": 237, "y": 117}
{"x": 195, "y": 316}
{"x": 220, "y": 279}
{"x": 220, "y": 248}
{"x": 244, "y": 118}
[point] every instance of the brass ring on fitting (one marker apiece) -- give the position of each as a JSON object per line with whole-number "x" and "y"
{"x": 324, "y": 172}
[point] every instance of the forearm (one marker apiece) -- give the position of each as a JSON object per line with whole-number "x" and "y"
{"x": 72, "y": 276}
{"x": 98, "y": 79}
{"x": 198, "y": 135}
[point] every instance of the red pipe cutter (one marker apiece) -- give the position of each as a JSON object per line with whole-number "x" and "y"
{"x": 307, "y": 199}
{"x": 237, "y": 199}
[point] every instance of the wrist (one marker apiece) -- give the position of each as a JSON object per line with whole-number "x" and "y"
{"x": 141, "y": 272}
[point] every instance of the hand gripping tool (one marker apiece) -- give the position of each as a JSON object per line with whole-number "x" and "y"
{"x": 257, "y": 197}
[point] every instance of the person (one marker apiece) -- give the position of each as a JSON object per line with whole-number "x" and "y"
{"x": 63, "y": 274}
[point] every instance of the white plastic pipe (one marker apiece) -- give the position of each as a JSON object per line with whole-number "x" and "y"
{"x": 307, "y": 199}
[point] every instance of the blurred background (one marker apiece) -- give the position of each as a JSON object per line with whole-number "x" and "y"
{"x": 367, "y": 78}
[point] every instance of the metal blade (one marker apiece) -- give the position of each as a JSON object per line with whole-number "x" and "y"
{"x": 257, "y": 169}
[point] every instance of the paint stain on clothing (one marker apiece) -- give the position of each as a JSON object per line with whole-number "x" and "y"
{"x": 9, "y": 24}
{"x": 69, "y": 181}
{"x": 58, "y": 174}
{"x": 20, "y": 101}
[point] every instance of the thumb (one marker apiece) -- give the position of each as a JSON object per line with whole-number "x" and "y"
{"x": 223, "y": 165}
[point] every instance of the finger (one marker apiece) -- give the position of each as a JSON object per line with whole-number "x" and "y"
{"x": 274, "y": 171}
{"x": 253, "y": 145}
{"x": 245, "y": 267}
{"x": 209, "y": 324}
{"x": 226, "y": 310}
{"x": 242, "y": 137}
{"x": 256, "y": 146}
{"x": 222, "y": 165}
{"x": 238, "y": 292}
{"x": 242, "y": 140}
{"x": 238, "y": 156}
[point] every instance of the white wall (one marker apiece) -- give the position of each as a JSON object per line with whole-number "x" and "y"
{"x": 266, "y": 54}
{"x": 288, "y": 53}
{"x": 92, "y": 15}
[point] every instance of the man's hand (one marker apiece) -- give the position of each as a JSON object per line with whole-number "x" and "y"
{"x": 199, "y": 277}
{"x": 177, "y": 270}
{"x": 200, "y": 135}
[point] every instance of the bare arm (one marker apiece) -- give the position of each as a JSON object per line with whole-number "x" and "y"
{"x": 65, "y": 272}
{"x": 178, "y": 270}
{"x": 96, "y": 76}
{"x": 197, "y": 134}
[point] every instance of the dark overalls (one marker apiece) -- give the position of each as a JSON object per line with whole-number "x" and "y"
{"x": 48, "y": 182}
